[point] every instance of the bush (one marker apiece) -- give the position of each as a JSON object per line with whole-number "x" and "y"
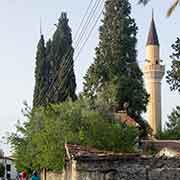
{"x": 172, "y": 128}
{"x": 41, "y": 140}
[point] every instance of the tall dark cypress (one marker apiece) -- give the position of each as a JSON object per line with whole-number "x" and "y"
{"x": 115, "y": 75}
{"x": 40, "y": 71}
{"x": 54, "y": 73}
{"x": 49, "y": 63}
{"x": 61, "y": 56}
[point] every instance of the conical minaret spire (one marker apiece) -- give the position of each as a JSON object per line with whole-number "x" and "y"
{"x": 152, "y": 36}
{"x": 153, "y": 73}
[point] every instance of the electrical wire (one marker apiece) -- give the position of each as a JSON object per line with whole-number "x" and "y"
{"x": 50, "y": 87}
{"x": 69, "y": 51}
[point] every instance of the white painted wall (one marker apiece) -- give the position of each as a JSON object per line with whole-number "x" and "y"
{"x": 13, "y": 173}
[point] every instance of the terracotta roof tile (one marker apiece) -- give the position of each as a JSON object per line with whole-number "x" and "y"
{"x": 79, "y": 151}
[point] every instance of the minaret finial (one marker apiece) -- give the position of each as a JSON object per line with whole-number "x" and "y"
{"x": 152, "y": 13}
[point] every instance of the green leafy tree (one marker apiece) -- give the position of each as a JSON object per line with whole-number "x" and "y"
{"x": 115, "y": 76}
{"x": 172, "y": 129}
{"x": 40, "y": 79}
{"x": 62, "y": 55}
{"x": 173, "y": 75}
{"x": 39, "y": 142}
{"x": 174, "y": 119}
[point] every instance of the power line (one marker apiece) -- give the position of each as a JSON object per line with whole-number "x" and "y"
{"x": 61, "y": 84}
{"x": 63, "y": 81}
{"x": 83, "y": 19}
{"x": 88, "y": 21}
{"x": 69, "y": 52}
{"x": 89, "y": 34}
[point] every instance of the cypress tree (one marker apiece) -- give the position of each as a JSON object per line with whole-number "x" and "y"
{"x": 55, "y": 62}
{"x": 40, "y": 78}
{"x": 115, "y": 76}
{"x": 50, "y": 63}
{"x": 61, "y": 56}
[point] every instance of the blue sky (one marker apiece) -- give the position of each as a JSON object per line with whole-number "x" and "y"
{"x": 19, "y": 34}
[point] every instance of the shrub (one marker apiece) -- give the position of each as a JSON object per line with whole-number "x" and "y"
{"x": 40, "y": 141}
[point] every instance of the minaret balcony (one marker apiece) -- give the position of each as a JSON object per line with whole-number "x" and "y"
{"x": 154, "y": 71}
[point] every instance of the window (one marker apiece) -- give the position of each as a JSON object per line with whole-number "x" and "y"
{"x": 8, "y": 176}
{"x": 8, "y": 167}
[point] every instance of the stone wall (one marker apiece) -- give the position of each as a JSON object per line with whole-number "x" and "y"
{"x": 120, "y": 168}
{"x": 54, "y": 176}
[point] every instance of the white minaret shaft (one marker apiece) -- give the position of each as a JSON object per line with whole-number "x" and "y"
{"x": 153, "y": 73}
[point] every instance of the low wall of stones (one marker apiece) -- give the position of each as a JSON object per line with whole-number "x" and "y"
{"x": 120, "y": 168}
{"x": 54, "y": 176}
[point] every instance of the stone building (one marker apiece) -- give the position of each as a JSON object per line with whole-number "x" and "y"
{"x": 85, "y": 163}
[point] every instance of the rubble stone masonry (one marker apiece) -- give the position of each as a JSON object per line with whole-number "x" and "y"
{"x": 122, "y": 167}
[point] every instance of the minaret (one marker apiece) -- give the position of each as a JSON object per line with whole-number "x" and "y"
{"x": 153, "y": 73}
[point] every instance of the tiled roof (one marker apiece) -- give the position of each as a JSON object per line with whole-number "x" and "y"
{"x": 123, "y": 117}
{"x": 79, "y": 151}
{"x": 8, "y": 158}
{"x": 129, "y": 121}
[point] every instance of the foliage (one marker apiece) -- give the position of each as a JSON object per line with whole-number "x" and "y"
{"x": 173, "y": 75}
{"x": 143, "y": 1}
{"x": 40, "y": 141}
{"x": 173, "y": 7}
{"x": 172, "y": 129}
{"x": 170, "y": 10}
{"x": 40, "y": 72}
{"x": 115, "y": 77}
{"x": 2, "y": 170}
{"x": 61, "y": 57}
{"x": 54, "y": 66}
